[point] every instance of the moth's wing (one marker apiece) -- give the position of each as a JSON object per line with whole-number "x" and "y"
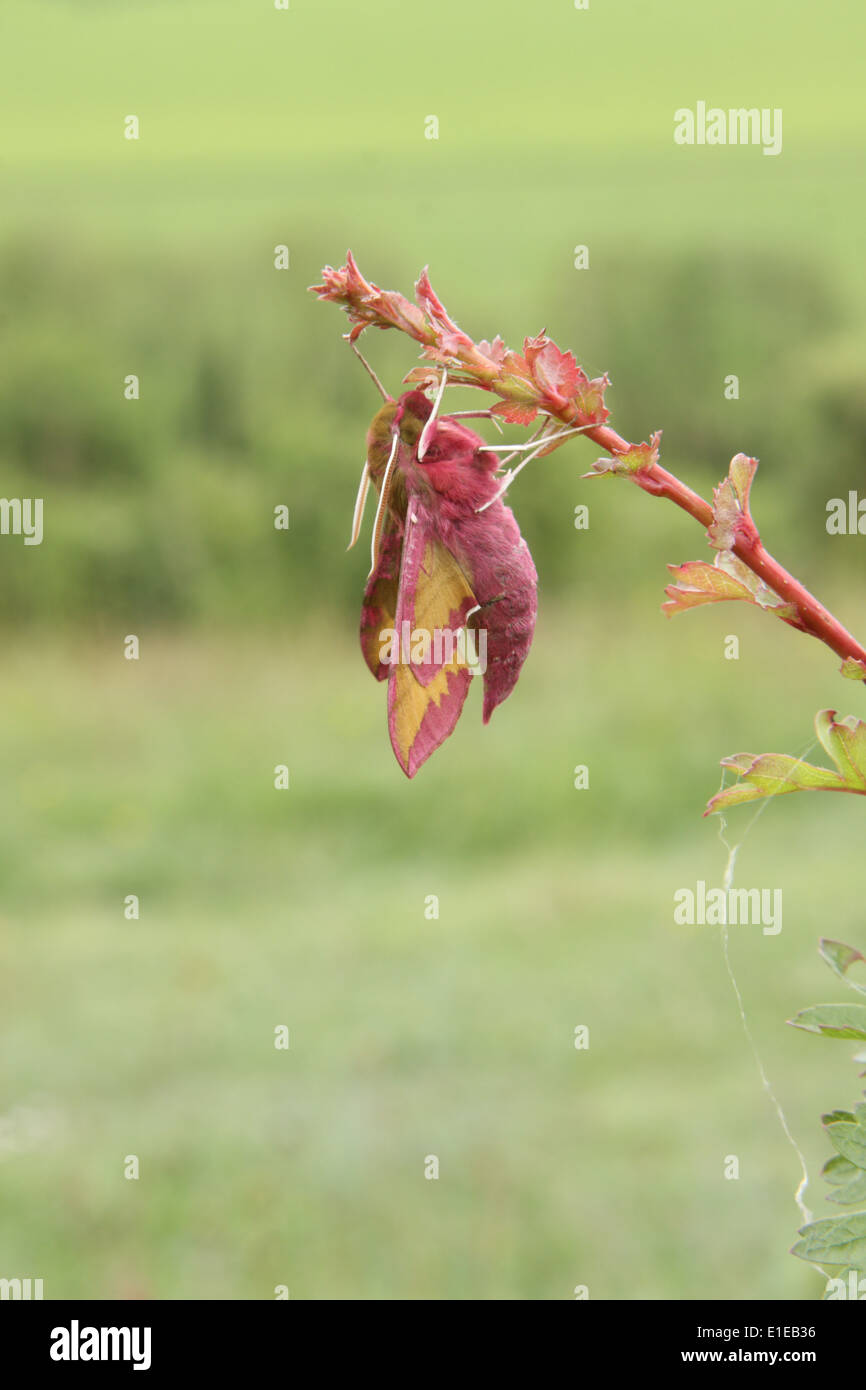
{"x": 379, "y": 606}
{"x": 426, "y": 693}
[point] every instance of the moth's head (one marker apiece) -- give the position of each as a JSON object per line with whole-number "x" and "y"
{"x": 407, "y": 418}
{"x": 413, "y": 412}
{"x": 380, "y": 437}
{"x": 392, "y": 441}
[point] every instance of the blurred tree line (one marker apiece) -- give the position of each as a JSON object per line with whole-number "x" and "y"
{"x": 161, "y": 508}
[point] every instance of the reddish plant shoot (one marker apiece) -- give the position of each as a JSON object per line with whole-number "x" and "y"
{"x": 544, "y": 384}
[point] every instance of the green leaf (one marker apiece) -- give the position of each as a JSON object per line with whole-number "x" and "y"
{"x": 835, "y": 1241}
{"x": 845, "y": 742}
{"x": 833, "y": 1021}
{"x": 632, "y": 460}
{"x": 849, "y": 1178}
{"x": 840, "y": 958}
{"x": 728, "y": 578}
{"x": 772, "y": 774}
{"x": 853, "y": 669}
{"x": 847, "y": 1134}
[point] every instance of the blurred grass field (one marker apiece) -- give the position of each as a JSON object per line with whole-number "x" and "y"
{"x": 306, "y": 908}
{"x": 408, "y": 1037}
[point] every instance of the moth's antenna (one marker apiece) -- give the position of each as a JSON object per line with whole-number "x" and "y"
{"x": 366, "y": 365}
{"x": 425, "y": 433}
{"x": 360, "y": 501}
{"x": 383, "y": 498}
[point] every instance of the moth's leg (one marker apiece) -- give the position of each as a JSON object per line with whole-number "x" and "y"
{"x": 369, "y": 369}
{"x": 542, "y": 444}
{"x": 428, "y": 428}
{"x": 538, "y": 440}
{"x": 511, "y": 475}
{"x": 494, "y": 448}
{"x": 471, "y": 629}
{"x": 530, "y": 443}
{"x": 476, "y": 415}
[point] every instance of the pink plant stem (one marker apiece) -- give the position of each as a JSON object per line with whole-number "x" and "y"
{"x": 813, "y": 615}
{"x": 369, "y": 305}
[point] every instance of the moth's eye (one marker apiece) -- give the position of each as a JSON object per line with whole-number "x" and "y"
{"x": 410, "y": 430}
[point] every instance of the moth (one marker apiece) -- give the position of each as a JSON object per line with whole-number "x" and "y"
{"x": 451, "y": 576}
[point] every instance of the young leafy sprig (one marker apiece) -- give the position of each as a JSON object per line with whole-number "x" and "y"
{"x": 838, "y": 1243}
{"x": 542, "y": 381}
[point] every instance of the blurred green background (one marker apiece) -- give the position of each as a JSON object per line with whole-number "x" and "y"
{"x": 409, "y": 1037}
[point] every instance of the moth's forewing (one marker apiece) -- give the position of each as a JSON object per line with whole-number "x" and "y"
{"x": 379, "y": 607}
{"x": 434, "y": 597}
{"x": 421, "y": 717}
{"x": 430, "y": 681}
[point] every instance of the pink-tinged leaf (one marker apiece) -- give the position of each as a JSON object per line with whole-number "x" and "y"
{"x": 545, "y": 379}
{"x": 514, "y": 367}
{"x": 431, "y": 303}
{"x": 451, "y": 338}
{"x": 368, "y": 306}
{"x": 454, "y": 344}
{"x": 555, "y": 373}
{"x": 776, "y": 774}
{"x": 741, "y": 473}
{"x": 732, "y": 519}
{"x": 589, "y": 399}
{"x": 771, "y": 774}
{"x": 435, "y": 353}
{"x": 515, "y": 412}
{"x": 495, "y": 351}
{"x": 698, "y": 582}
{"x": 635, "y": 460}
{"x": 533, "y": 346}
{"x": 841, "y": 958}
{"x": 423, "y": 376}
{"x": 844, "y": 740}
